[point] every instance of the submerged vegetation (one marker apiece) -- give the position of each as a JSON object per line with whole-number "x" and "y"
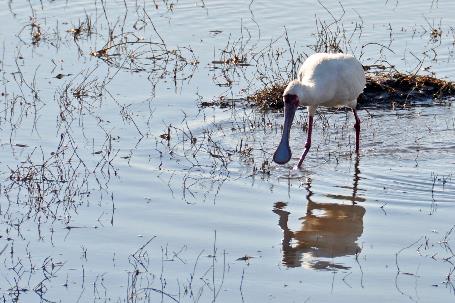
{"x": 120, "y": 129}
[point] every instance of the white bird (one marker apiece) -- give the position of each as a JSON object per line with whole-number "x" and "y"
{"x": 330, "y": 80}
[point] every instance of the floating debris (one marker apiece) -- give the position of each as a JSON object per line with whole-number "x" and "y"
{"x": 235, "y": 60}
{"x": 166, "y": 136}
{"x": 60, "y": 76}
{"x": 245, "y": 258}
{"x": 222, "y": 102}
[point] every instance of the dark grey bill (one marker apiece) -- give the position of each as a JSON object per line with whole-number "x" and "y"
{"x": 283, "y": 153}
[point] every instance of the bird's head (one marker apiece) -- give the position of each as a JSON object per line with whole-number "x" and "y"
{"x": 296, "y": 88}
{"x": 293, "y": 96}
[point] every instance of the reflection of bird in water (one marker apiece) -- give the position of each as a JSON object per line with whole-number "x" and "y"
{"x": 331, "y": 80}
{"x": 328, "y": 230}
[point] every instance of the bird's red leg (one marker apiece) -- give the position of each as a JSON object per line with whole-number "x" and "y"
{"x": 308, "y": 141}
{"x": 357, "y": 130}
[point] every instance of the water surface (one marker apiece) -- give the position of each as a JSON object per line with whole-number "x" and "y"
{"x": 117, "y": 186}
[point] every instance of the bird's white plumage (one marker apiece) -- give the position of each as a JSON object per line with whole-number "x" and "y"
{"x": 331, "y": 80}
{"x": 328, "y": 80}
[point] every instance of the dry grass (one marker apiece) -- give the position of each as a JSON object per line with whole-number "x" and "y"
{"x": 269, "y": 97}
{"x": 383, "y": 89}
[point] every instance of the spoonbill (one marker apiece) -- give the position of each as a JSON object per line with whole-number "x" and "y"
{"x": 330, "y": 80}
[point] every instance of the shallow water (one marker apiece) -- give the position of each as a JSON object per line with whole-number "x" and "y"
{"x": 97, "y": 205}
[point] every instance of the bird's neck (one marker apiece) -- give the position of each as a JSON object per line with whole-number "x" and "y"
{"x": 304, "y": 93}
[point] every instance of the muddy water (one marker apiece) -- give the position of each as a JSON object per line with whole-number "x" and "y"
{"x": 117, "y": 186}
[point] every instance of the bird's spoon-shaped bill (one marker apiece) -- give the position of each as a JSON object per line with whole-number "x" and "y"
{"x": 283, "y": 153}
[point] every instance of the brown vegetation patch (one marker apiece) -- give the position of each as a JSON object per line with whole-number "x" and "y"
{"x": 383, "y": 89}
{"x": 388, "y": 89}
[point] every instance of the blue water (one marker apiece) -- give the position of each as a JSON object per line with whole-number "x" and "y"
{"x": 96, "y": 204}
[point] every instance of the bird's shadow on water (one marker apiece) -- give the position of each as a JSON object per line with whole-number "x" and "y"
{"x": 327, "y": 230}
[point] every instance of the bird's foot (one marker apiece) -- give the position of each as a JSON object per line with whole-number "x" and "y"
{"x": 297, "y": 167}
